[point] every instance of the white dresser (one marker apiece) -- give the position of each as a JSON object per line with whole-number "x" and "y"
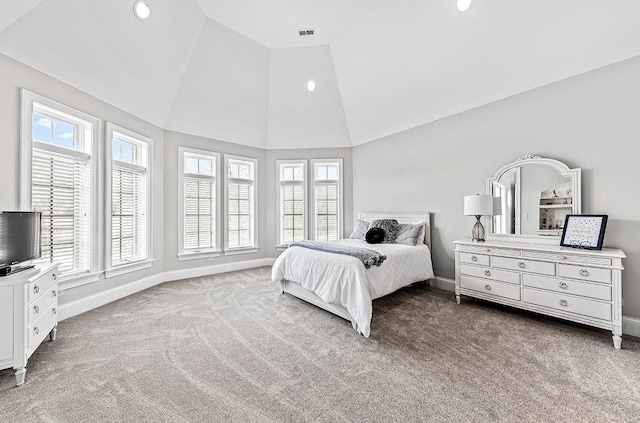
{"x": 583, "y": 286}
{"x": 28, "y": 315}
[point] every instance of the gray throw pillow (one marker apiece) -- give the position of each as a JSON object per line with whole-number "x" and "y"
{"x": 390, "y": 227}
{"x": 409, "y": 233}
{"x": 360, "y": 230}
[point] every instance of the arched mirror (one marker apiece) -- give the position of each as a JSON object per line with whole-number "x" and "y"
{"x": 532, "y": 197}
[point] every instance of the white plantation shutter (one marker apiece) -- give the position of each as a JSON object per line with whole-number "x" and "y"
{"x": 326, "y": 199}
{"x": 292, "y": 206}
{"x": 199, "y": 213}
{"x": 240, "y": 210}
{"x": 61, "y": 191}
{"x": 128, "y": 213}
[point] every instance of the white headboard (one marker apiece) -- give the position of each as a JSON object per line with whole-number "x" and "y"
{"x": 403, "y": 217}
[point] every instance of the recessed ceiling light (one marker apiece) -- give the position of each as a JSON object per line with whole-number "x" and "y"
{"x": 141, "y": 9}
{"x": 464, "y": 5}
{"x": 311, "y": 86}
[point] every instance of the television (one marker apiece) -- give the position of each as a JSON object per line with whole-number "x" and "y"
{"x": 19, "y": 239}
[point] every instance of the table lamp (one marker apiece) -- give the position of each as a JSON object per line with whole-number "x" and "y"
{"x": 478, "y": 206}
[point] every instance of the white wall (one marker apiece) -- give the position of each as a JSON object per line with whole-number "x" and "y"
{"x": 588, "y": 121}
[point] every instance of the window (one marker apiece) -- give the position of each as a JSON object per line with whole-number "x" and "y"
{"x": 292, "y": 193}
{"x": 128, "y": 200}
{"x": 59, "y": 179}
{"x": 327, "y": 199}
{"x": 198, "y": 186}
{"x": 240, "y": 204}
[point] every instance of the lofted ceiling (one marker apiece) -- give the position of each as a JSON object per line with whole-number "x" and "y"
{"x": 236, "y": 70}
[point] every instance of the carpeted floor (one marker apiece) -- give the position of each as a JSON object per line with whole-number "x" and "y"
{"x": 230, "y": 348}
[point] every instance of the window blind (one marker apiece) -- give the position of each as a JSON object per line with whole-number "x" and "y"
{"x": 61, "y": 192}
{"x": 292, "y": 206}
{"x": 326, "y": 211}
{"x": 240, "y": 200}
{"x": 128, "y": 214}
{"x": 199, "y": 213}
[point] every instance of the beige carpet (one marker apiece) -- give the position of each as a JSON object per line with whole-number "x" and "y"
{"x": 231, "y": 348}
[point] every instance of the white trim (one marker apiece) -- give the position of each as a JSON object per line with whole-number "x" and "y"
{"x": 444, "y": 284}
{"x": 197, "y": 255}
{"x": 78, "y": 280}
{"x": 312, "y": 186}
{"x": 74, "y": 308}
{"x": 631, "y": 326}
{"x": 305, "y": 197}
{"x": 254, "y": 206}
{"x": 128, "y": 268}
{"x": 242, "y": 250}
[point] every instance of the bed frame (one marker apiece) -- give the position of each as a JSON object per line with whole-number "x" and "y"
{"x": 295, "y": 289}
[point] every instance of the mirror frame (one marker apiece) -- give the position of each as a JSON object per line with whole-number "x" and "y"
{"x": 576, "y": 185}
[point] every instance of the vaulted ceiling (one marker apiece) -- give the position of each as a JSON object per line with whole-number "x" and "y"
{"x": 236, "y": 70}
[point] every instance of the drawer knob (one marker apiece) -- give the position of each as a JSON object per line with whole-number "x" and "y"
{"x": 522, "y": 265}
{"x": 563, "y": 285}
{"x": 584, "y": 272}
{"x": 487, "y": 287}
{"x": 54, "y": 294}
{"x": 36, "y": 309}
{"x": 53, "y": 311}
{"x": 54, "y": 276}
{"x": 36, "y": 330}
{"x": 488, "y": 250}
{"x": 474, "y": 258}
{"x": 564, "y": 303}
{"x": 487, "y": 273}
{"x": 36, "y": 289}
{"x": 563, "y": 258}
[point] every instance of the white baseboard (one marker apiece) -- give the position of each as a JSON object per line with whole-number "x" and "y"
{"x": 89, "y": 303}
{"x": 630, "y": 325}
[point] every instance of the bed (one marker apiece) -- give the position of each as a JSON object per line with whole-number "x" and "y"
{"x": 342, "y": 285}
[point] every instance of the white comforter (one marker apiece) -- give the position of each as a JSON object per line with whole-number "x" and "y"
{"x": 343, "y": 280}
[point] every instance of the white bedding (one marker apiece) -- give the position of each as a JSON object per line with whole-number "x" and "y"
{"x": 343, "y": 280}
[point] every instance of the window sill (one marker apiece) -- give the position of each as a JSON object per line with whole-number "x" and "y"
{"x": 281, "y": 248}
{"x": 198, "y": 255}
{"x": 243, "y": 250}
{"x": 74, "y": 281}
{"x": 127, "y": 268}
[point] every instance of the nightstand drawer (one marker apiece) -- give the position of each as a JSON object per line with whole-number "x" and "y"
{"x": 531, "y": 266}
{"x": 489, "y": 250}
{"x": 569, "y": 258}
{"x": 45, "y": 300}
{"x": 474, "y": 258}
{"x": 586, "y": 273}
{"x": 583, "y": 306}
{"x": 489, "y": 287}
{"x": 38, "y": 330}
{"x": 600, "y": 292}
{"x": 38, "y": 287}
{"x": 485, "y": 272}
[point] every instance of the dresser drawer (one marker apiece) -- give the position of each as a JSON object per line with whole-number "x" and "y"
{"x": 601, "y": 292}
{"x": 582, "y": 306}
{"x": 36, "y": 308}
{"x": 38, "y": 330}
{"x": 570, "y": 258}
{"x": 496, "y": 274}
{"x": 489, "y": 287}
{"x": 38, "y": 287}
{"x": 586, "y": 273}
{"x": 489, "y": 250}
{"x": 474, "y": 258}
{"x": 523, "y": 265}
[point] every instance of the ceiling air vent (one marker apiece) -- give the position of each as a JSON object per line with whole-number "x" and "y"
{"x": 305, "y": 32}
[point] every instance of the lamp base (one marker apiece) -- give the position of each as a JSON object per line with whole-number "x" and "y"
{"x": 477, "y": 233}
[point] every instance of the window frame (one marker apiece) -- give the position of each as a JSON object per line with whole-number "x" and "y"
{"x": 313, "y": 181}
{"x": 147, "y": 160}
{"x": 280, "y": 245}
{"x": 216, "y": 250}
{"x": 254, "y": 225}
{"x": 88, "y": 126}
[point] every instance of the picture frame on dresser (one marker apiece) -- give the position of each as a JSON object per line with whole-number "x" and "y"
{"x": 584, "y": 231}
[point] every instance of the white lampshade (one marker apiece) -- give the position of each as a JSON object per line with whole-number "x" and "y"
{"x": 478, "y": 205}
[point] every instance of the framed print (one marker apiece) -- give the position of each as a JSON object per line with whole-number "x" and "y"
{"x": 584, "y": 231}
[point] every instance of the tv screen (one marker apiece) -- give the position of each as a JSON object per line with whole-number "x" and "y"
{"x": 19, "y": 237}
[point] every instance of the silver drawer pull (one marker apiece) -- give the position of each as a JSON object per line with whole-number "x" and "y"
{"x": 563, "y": 258}
{"x": 487, "y": 273}
{"x": 488, "y": 250}
{"x": 54, "y": 294}
{"x": 36, "y": 289}
{"x": 584, "y": 272}
{"x": 54, "y": 276}
{"x": 564, "y": 303}
{"x": 564, "y": 285}
{"x": 36, "y": 330}
{"x": 36, "y": 309}
{"x": 487, "y": 287}
{"x": 474, "y": 258}
{"x": 522, "y": 265}
{"x": 53, "y": 311}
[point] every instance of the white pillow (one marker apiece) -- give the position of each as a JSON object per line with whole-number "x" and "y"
{"x": 360, "y": 230}
{"x": 410, "y": 233}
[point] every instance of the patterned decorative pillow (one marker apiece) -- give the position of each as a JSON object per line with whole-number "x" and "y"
{"x": 360, "y": 230}
{"x": 390, "y": 227}
{"x": 375, "y": 235}
{"x": 409, "y": 233}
